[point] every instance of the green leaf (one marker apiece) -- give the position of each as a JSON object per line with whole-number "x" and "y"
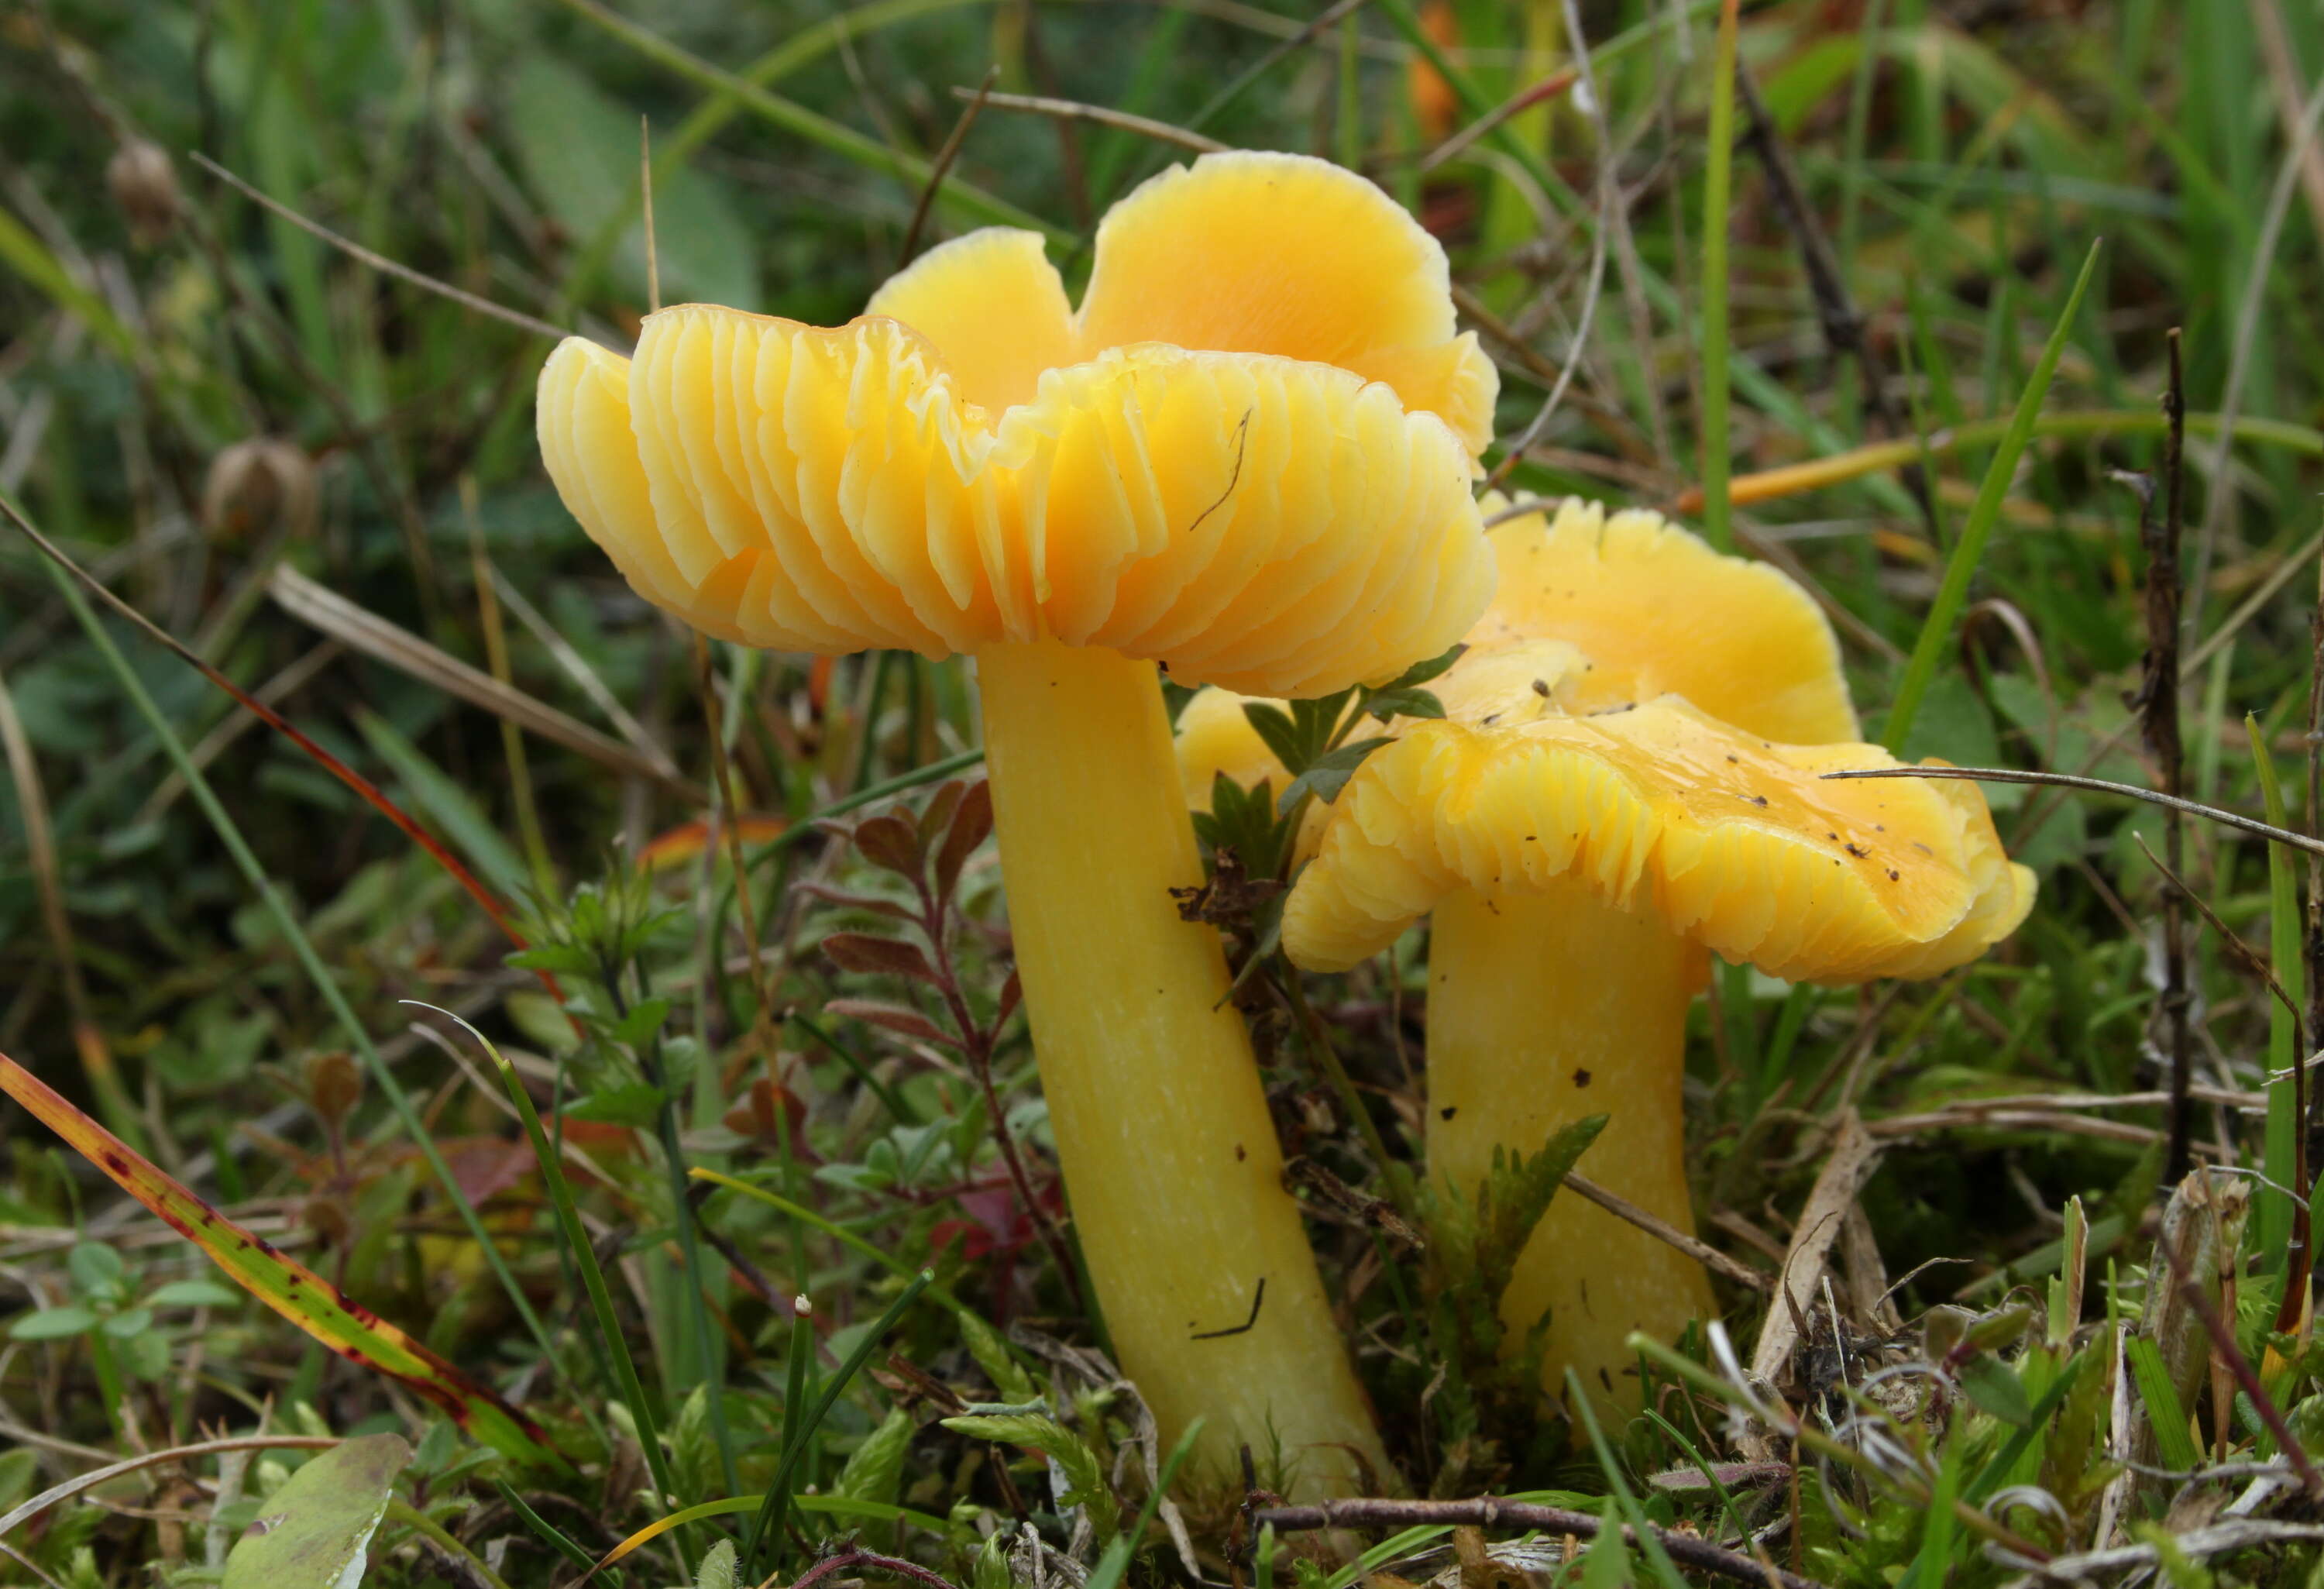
{"x": 1518, "y": 1191}
{"x": 1991, "y": 1385}
{"x": 97, "y": 1269}
{"x": 1061, "y": 1446}
{"x": 1420, "y": 673}
{"x": 1328, "y": 775}
{"x": 192, "y": 1294}
{"x": 643, "y": 1023}
{"x": 580, "y": 148}
{"x": 992, "y": 1353}
{"x": 630, "y": 1102}
{"x": 717, "y": 1570}
{"x": 558, "y": 959}
{"x": 452, "y": 809}
{"x": 52, "y": 1324}
{"x": 2164, "y": 1414}
{"x": 877, "y": 1468}
{"x": 1404, "y": 703}
{"x": 129, "y": 1323}
{"x": 1273, "y": 725}
{"x": 315, "y": 1532}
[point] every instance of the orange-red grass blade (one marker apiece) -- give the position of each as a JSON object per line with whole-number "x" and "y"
{"x": 373, "y": 795}
{"x": 291, "y": 1289}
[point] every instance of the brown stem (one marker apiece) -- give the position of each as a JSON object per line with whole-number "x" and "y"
{"x": 894, "y": 1566}
{"x": 1686, "y": 1550}
{"x": 976, "y": 1042}
{"x": 2157, "y": 701}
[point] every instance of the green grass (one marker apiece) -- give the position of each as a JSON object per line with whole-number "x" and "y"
{"x": 544, "y": 1219}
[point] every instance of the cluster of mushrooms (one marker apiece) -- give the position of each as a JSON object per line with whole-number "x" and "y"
{"x": 1247, "y": 458}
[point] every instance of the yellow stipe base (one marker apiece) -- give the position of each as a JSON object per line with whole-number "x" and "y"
{"x": 1170, "y": 1157}
{"x": 1544, "y": 1007}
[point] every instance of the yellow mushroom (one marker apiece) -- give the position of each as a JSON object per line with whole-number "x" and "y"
{"x": 1615, "y": 788}
{"x": 1246, "y": 457}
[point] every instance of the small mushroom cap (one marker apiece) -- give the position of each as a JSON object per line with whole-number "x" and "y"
{"x": 1658, "y": 611}
{"x": 1735, "y": 840}
{"x": 1214, "y": 736}
{"x": 1247, "y": 457}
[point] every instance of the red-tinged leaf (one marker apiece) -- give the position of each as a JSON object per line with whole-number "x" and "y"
{"x": 485, "y": 1167}
{"x": 937, "y": 813}
{"x": 970, "y": 826}
{"x": 878, "y": 956}
{"x": 683, "y": 845}
{"x": 291, "y": 1289}
{"x": 1011, "y": 991}
{"x": 892, "y": 843}
{"x": 911, "y": 1023}
{"x": 854, "y": 901}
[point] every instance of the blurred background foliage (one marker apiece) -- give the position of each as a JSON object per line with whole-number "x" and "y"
{"x": 272, "y": 449}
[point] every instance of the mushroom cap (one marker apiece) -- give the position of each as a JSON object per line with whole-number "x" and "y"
{"x": 1247, "y": 456}
{"x": 1735, "y": 840}
{"x": 1657, "y": 612}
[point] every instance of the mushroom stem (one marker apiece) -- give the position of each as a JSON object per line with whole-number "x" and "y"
{"x": 1544, "y": 1007}
{"x": 1170, "y": 1157}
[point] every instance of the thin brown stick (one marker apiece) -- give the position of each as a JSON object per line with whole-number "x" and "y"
{"x": 1701, "y": 1251}
{"x": 1524, "y": 99}
{"x": 1076, "y": 110}
{"x": 360, "y": 629}
{"x": 2157, "y": 705}
{"x": 1841, "y": 323}
{"x": 380, "y": 261}
{"x": 942, "y": 164}
{"x": 2225, "y": 818}
{"x": 1487, "y": 1512}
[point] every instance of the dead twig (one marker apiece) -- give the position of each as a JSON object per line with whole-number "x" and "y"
{"x": 2225, "y": 818}
{"x": 943, "y": 164}
{"x": 2157, "y": 704}
{"x": 1076, "y": 110}
{"x": 1843, "y": 323}
{"x": 362, "y": 630}
{"x": 380, "y": 261}
{"x": 1686, "y": 1550}
{"x": 1851, "y": 1163}
{"x": 1701, "y": 1251}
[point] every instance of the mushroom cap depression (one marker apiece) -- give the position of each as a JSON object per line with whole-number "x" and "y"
{"x": 1554, "y": 760}
{"x": 1247, "y": 456}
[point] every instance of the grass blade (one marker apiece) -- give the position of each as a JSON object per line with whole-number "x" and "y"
{"x": 584, "y": 1259}
{"x": 302, "y": 948}
{"x": 1717, "y": 192}
{"x": 291, "y": 1289}
{"x": 2280, "y": 1151}
{"x": 769, "y": 1523}
{"x": 797, "y": 118}
{"x": 1960, "y": 568}
{"x": 2164, "y": 1414}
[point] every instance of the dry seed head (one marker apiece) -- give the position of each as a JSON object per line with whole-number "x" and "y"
{"x": 144, "y": 187}
{"x": 334, "y": 1086}
{"x": 259, "y": 484}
